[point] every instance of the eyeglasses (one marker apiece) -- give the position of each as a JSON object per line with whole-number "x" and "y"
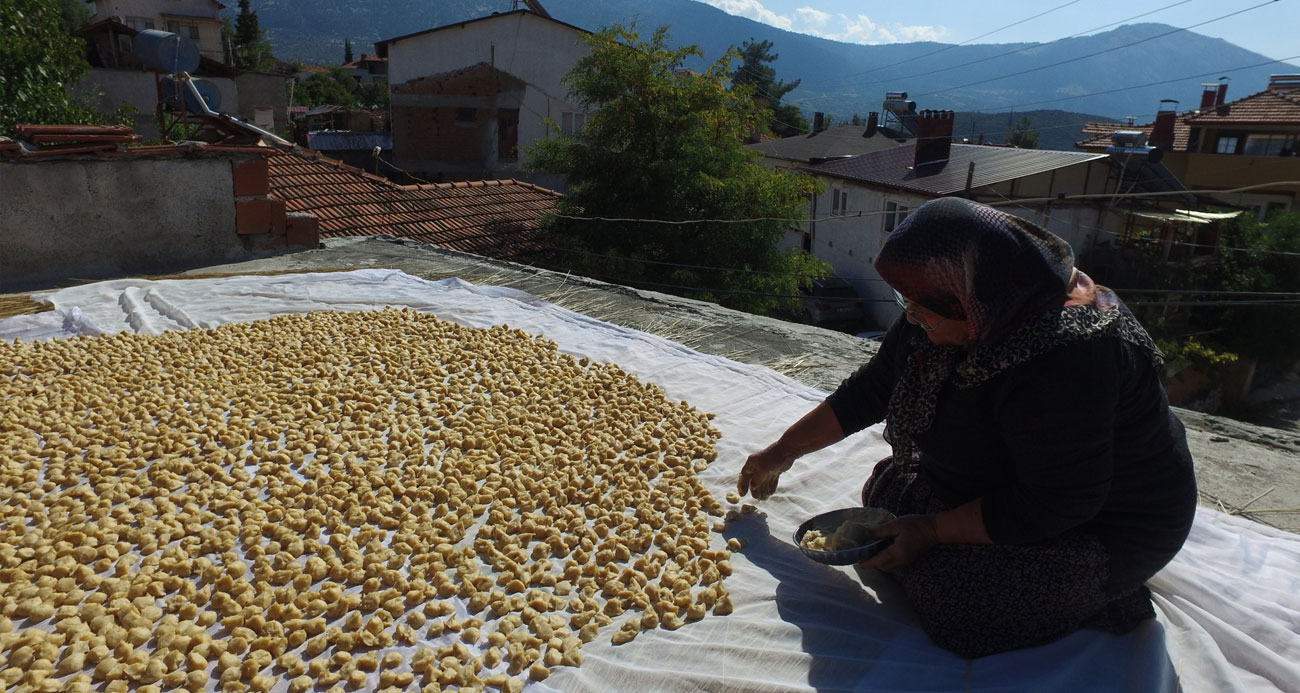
{"x": 907, "y": 310}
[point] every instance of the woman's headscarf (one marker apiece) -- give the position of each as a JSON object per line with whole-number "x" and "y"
{"x": 968, "y": 261}
{"x": 1013, "y": 282}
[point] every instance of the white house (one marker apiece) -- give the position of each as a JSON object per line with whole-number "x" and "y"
{"x": 469, "y": 98}
{"x": 196, "y": 20}
{"x": 868, "y": 195}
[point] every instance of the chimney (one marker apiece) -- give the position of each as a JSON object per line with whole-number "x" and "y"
{"x": 1283, "y": 82}
{"x": 1209, "y": 92}
{"x": 933, "y": 138}
{"x": 1162, "y": 133}
{"x": 819, "y": 122}
{"x": 1213, "y": 94}
{"x": 873, "y": 124}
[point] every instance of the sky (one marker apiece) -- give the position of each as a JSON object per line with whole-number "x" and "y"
{"x": 1272, "y": 30}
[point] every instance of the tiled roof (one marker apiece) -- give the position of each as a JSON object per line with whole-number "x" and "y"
{"x": 1265, "y": 107}
{"x": 494, "y": 218}
{"x": 381, "y": 47}
{"x": 846, "y": 140}
{"x": 893, "y": 167}
{"x": 1099, "y": 133}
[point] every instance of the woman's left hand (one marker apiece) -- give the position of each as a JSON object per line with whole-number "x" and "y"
{"x": 912, "y": 535}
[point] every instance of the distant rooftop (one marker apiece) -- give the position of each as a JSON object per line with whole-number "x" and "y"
{"x": 893, "y": 167}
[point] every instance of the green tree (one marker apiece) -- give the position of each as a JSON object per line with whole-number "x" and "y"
{"x": 857, "y": 120}
{"x": 347, "y": 51}
{"x": 1269, "y": 262}
{"x": 38, "y": 60}
{"x": 336, "y": 89}
{"x": 1023, "y": 135}
{"x": 754, "y": 71}
{"x": 373, "y": 95}
{"x": 74, "y": 14}
{"x": 665, "y": 143}
{"x": 252, "y": 51}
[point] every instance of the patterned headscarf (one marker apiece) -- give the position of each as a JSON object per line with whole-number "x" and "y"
{"x": 1014, "y": 284}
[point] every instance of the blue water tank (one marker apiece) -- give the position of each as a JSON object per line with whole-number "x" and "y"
{"x": 211, "y": 95}
{"x": 166, "y": 52}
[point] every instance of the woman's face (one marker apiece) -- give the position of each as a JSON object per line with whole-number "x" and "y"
{"x": 940, "y": 330}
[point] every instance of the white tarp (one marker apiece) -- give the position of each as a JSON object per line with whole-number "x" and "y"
{"x": 1229, "y": 605}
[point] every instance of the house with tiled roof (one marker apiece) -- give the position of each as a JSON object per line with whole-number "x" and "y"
{"x": 197, "y": 20}
{"x": 367, "y": 68}
{"x": 468, "y": 98}
{"x": 1227, "y": 145}
{"x": 868, "y": 195}
{"x": 499, "y": 219}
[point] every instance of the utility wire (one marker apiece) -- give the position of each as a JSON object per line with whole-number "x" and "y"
{"x": 1100, "y": 52}
{"x": 955, "y": 45}
{"x": 1026, "y": 48}
{"x": 1139, "y": 86}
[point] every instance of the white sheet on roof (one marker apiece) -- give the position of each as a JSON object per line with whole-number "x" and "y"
{"x": 1229, "y": 605}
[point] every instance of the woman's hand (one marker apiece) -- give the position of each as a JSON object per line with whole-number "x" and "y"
{"x": 762, "y": 470}
{"x": 913, "y": 535}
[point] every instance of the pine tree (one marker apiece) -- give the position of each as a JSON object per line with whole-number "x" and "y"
{"x": 347, "y": 51}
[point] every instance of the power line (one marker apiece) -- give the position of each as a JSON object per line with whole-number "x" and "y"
{"x": 1029, "y": 47}
{"x": 1100, "y": 52}
{"x": 955, "y": 45}
{"x": 1140, "y": 86}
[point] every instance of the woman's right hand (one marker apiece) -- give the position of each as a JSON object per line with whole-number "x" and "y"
{"x": 762, "y": 470}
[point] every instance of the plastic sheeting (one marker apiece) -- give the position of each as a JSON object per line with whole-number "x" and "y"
{"x": 1228, "y": 606}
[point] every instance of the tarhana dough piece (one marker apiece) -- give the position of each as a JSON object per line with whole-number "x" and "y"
{"x": 849, "y": 535}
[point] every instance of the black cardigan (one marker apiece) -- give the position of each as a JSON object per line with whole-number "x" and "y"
{"x": 1080, "y": 437}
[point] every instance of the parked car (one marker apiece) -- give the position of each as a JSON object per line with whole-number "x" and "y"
{"x": 832, "y": 300}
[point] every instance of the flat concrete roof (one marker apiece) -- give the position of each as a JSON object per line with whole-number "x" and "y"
{"x": 1241, "y": 468}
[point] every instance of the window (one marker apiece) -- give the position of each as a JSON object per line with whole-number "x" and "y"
{"x": 839, "y": 202}
{"x": 1269, "y": 145}
{"x": 1227, "y": 145}
{"x": 466, "y": 116}
{"x": 139, "y": 23}
{"x": 894, "y": 215}
{"x": 572, "y": 121}
{"x": 190, "y": 31}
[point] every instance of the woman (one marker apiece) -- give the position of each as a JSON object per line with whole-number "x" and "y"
{"x": 1038, "y": 475}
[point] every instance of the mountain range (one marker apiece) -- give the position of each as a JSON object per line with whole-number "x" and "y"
{"x": 843, "y": 78}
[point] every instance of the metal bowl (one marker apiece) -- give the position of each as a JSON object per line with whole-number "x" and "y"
{"x": 827, "y": 523}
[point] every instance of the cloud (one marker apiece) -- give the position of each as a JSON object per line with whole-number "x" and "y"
{"x": 752, "y": 9}
{"x": 811, "y": 17}
{"x": 814, "y": 22}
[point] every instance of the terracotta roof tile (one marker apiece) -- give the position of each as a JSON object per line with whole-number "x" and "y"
{"x": 498, "y": 218}
{"x": 1265, "y": 107}
{"x": 1099, "y": 133}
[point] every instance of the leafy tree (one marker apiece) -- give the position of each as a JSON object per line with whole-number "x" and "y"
{"x": 373, "y": 95}
{"x": 857, "y": 120}
{"x": 37, "y": 62}
{"x": 252, "y": 51}
{"x": 665, "y": 143}
{"x": 336, "y": 88}
{"x": 1270, "y": 263}
{"x": 1023, "y": 136}
{"x": 347, "y": 51}
{"x": 755, "y": 72}
{"x": 74, "y": 14}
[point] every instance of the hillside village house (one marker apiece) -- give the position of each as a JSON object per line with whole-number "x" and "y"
{"x": 868, "y": 195}
{"x": 117, "y": 75}
{"x": 469, "y": 98}
{"x": 196, "y": 20}
{"x": 367, "y": 69}
{"x": 1224, "y": 145}
{"x": 822, "y": 145}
